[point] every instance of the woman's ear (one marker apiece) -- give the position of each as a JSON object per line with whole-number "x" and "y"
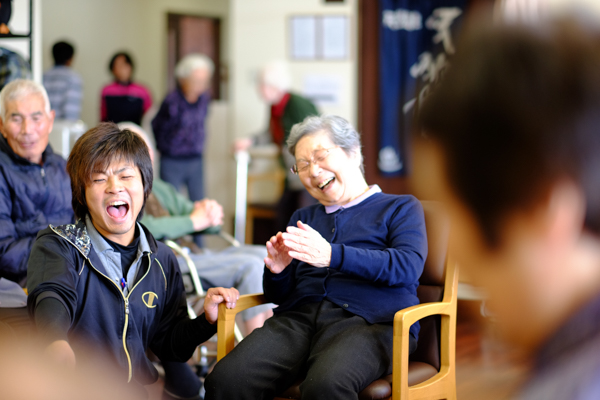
{"x": 356, "y": 157}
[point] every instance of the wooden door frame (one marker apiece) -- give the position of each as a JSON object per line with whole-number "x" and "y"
{"x": 172, "y": 19}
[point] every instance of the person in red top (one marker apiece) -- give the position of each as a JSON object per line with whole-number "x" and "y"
{"x": 287, "y": 108}
{"x": 123, "y": 100}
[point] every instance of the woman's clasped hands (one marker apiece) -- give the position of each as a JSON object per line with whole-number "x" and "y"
{"x": 302, "y": 243}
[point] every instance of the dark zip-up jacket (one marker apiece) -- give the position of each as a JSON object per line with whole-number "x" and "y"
{"x": 105, "y": 324}
{"x": 31, "y": 197}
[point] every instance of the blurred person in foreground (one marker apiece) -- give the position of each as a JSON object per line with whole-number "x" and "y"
{"x": 179, "y": 126}
{"x": 339, "y": 273}
{"x": 286, "y": 109}
{"x": 63, "y": 84}
{"x": 103, "y": 289}
{"x": 123, "y": 99}
{"x": 26, "y": 373}
{"x": 511, "y": 144}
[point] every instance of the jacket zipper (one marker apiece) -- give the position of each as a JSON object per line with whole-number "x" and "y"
{"x": 125, "y": 299}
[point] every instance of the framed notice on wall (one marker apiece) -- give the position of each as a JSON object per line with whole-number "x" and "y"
{"x": 319, "y": 37}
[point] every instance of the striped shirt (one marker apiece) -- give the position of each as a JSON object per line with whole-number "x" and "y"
{"x": 65, "y": 91}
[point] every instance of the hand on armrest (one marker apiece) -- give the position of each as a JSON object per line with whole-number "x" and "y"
{"x": 214, "y": 297}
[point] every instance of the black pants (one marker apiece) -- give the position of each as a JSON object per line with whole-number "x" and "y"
{"x": 188, "y": 172}
{"x": 339, "y": 352}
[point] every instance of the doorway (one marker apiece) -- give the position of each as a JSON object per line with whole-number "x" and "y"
{"x": 194, "y": 34}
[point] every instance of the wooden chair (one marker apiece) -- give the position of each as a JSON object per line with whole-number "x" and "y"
{"x": 275, "y": 180}
{"x": 429, "y": 373}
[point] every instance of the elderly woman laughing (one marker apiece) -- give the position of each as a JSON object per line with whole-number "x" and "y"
{"x": 339, "y": 273}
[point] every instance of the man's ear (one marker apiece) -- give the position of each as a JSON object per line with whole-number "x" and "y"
{"x": 564, "y": 214}
{"x": 2, "y": 127}
{"x": 51, "y": 116}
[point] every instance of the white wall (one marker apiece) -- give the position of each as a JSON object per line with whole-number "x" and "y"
{"x": 98, "y": 29}
{"x": 253, "y": 32}
{"x": 260, "y": 33}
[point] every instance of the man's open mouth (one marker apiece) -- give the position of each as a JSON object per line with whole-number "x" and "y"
{"x": 326, "y": 182}
{"x": 117, "y": 209}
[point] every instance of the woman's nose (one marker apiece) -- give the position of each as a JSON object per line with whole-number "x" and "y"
{"x": 314, "y": 168}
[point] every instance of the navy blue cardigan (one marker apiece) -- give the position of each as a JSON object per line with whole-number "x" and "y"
{"x": 379, "y": 247}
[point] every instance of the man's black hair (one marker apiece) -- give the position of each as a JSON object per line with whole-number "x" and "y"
{"x": 517, "y": 111}
{"x": 62, "y": 52}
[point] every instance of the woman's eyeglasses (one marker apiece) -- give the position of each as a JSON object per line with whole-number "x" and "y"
{"x": 317, "y": 157}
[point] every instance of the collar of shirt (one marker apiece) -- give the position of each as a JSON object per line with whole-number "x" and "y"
{"x": 111, "y": 260}
{"x": 372, "y": 190}
{"x": 278, "y": 109}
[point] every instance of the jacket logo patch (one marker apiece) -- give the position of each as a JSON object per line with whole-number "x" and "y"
{"x": 148, "y": 299}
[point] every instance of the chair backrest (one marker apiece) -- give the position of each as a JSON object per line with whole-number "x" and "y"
{"x": 431, "y": 283}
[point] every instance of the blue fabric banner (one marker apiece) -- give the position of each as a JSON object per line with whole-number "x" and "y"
{"x": 415, "y": 41}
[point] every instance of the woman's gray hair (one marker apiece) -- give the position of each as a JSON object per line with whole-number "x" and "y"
{"x": 192, "y": 62}
{"x": 18, "y": 89}
{"x": 341, "y": 133}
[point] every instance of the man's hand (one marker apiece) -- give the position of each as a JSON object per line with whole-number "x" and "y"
{"x": 306, "y": 244}
{"x": 216, "y": 296}
{"x": 61, "y": 353}
{"x": 242, "y": 144}
{"x": 206, "y": 213}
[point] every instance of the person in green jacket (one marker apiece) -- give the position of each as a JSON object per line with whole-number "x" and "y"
{"x": 287, "y": 108}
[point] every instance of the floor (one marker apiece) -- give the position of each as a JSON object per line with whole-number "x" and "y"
{"x": 485, "y": 369}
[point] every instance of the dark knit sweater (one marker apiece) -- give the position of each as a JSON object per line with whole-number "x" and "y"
{"x": 379, "y": 247}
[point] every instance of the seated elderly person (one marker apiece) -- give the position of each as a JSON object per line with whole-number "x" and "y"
{"x": 339, "y": 273}
{"x": 35, "y": 189}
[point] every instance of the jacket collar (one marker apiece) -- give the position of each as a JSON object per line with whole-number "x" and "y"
{"x": 5, "y": 147}
{"x": 77, "y": 234}
{"x": 101, "y": 245}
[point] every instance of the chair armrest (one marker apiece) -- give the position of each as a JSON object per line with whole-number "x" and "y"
{"x": 226, "y": 321}
{"x": 404, "y": 318}
{"x": 244, "y": 302}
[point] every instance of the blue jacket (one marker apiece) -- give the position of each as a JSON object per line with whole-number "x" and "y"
{"x": 378, "y": 250}
{"x": 31, "y": 197}
{"x": 106, "y": 325}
